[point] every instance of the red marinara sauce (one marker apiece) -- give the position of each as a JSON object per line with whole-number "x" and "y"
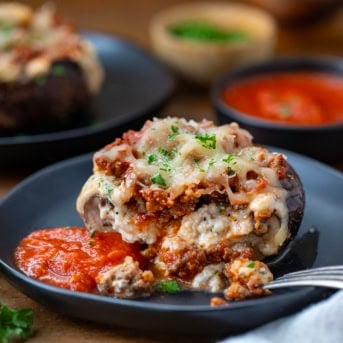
{"x": 69, "y": 257}
{"x": 294, "y": 98}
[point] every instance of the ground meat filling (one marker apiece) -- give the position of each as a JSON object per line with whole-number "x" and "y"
{"x": 199, "y": 197}
{"x": 126, "y": 280}
{"x": 247, "y": 278}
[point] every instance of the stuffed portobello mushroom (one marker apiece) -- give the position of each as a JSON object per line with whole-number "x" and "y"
{"x": 206, "y": 205}
{"x": 48, "y": 72}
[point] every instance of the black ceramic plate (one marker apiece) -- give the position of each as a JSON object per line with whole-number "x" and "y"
{"x": 135, "y": 86}
{"x": 47, "y": 199}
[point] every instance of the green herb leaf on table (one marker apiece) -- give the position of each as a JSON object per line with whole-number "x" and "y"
{"x": 15, "y": 323}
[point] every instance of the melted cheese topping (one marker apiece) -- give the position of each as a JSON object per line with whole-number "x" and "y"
{"x": 188, "y": 160}
{"x": 31, "y": 41}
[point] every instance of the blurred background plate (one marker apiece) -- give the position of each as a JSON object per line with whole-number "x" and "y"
{"x": 136, "y": 85}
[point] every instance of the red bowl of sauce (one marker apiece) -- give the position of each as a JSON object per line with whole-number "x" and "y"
{"x": 295, "y": 103}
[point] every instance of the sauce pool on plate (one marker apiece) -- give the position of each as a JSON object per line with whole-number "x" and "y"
{"x": 293, "y": 98}
{"x": 72, "y": 258}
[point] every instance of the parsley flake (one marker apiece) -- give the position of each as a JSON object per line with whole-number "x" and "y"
{"x": 162, "y": 158}
{"x": 168, "y": 286}
{"x": 196, "y": 162}
{"x": 174, "y": 132}
{"x": 211, "y": 162}
{"x": 109, "y": 190}
{"x": 164, "y": 152}
{"x": 158, "y": 180}
{"x": 207, "y": 141}
{"x": 229, "y": 158}
{"x": 251, "y": 265}
{"x": 152, "y": 158}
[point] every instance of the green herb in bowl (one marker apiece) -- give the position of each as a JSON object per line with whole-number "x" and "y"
{"x": 206, "y": 31}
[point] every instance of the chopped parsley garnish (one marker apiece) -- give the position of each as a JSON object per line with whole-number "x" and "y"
{"x": 168, "y": 286}
{"x": 207, "y": 141}
{"x": 158, "y": 180}
{"x": 251, "y": 157}
{"x": 230, "y": 160}
{"x": 57, "y": 70}
{"x": 168, "y": 154}
{"x": 165, "y": 167}
{"x": 196, "y": 162}
{"x": 91, "y": 242}
{"x": 211, "y": 162}
{"x": 162, "y": 158}
{"x": 15, "y": 324}
{"x": 109, "y": 190}
{"x": 152, "y": 158}
{"x": 93, "y": 234}
{"x": 251, "y": 265}
{"x": 174, "y": 132}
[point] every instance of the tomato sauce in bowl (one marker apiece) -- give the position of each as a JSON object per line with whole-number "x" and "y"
{"x": 71, "y": 257}
{"x": 301, "y": 98}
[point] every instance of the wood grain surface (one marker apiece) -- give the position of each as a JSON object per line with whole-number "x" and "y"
{"x": 130, "y": 18}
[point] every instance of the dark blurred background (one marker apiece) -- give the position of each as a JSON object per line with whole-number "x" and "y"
{"x": 306, "y": 26}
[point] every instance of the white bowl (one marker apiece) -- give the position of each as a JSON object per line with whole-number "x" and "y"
{"x": 203, "y": 61}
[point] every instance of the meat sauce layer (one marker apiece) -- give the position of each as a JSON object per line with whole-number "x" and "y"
{"x": 72, "y": 257}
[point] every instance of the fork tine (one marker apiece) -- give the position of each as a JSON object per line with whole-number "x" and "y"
{"x": 322, "y": 273}
{"x": 310, "y": 277}
{"x": 319, "y": 283}
{"x": 331, "y": 277}
{"x": 320, "y": 269}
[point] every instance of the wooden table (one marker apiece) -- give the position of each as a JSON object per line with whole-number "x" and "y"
{"x": 130, "y": 18}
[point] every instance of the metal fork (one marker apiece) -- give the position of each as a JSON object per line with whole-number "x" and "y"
{"x": 331, "y": 277}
